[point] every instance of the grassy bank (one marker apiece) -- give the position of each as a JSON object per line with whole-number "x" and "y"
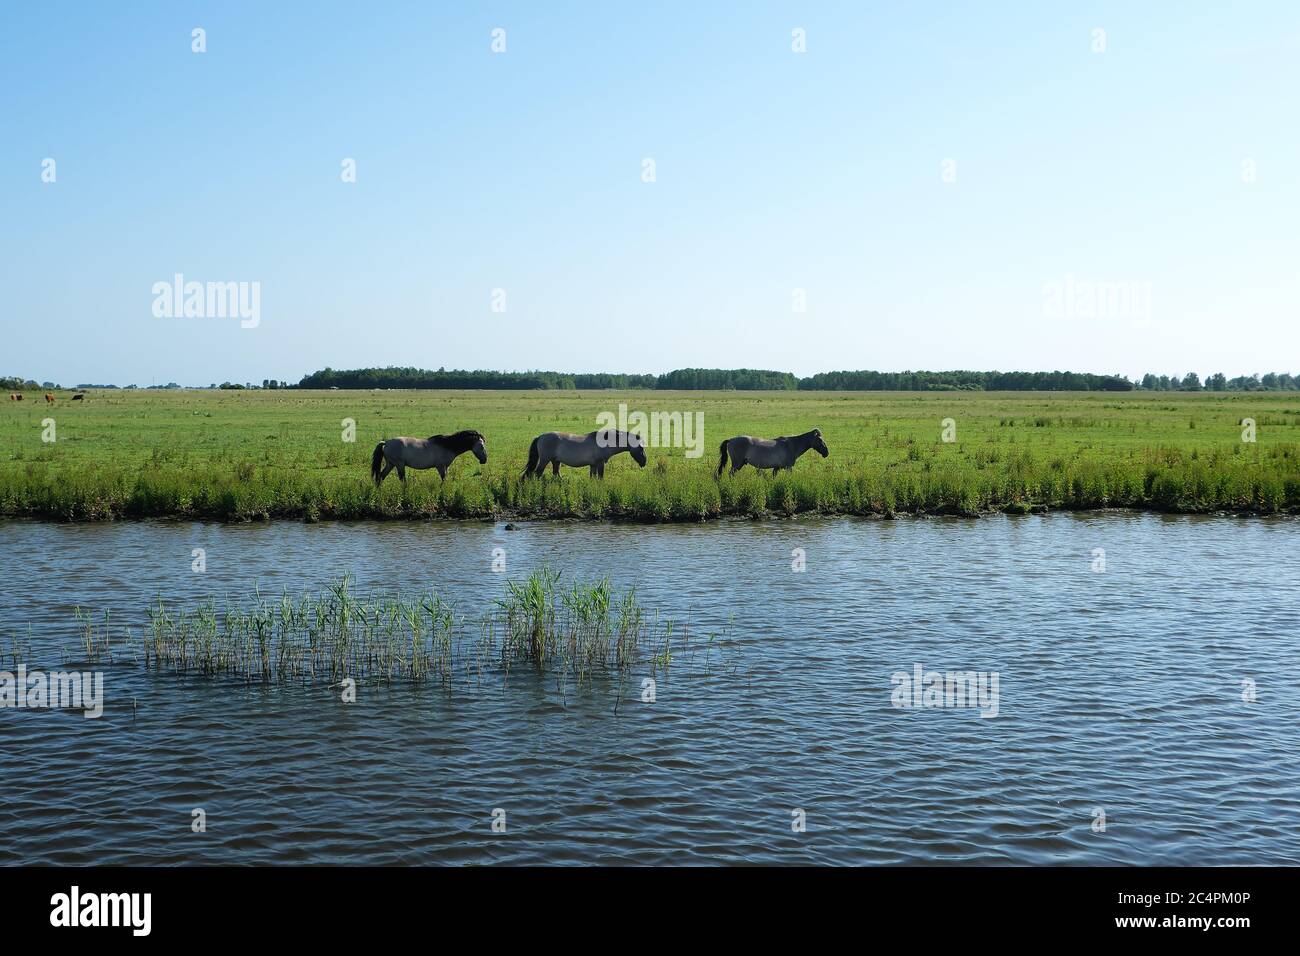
{"x": 282, "y": 454}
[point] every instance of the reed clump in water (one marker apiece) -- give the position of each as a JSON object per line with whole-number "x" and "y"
{"x": 337, "y": 634}
{"x": 94, "y": 645}
{"x": 579, "y": 631}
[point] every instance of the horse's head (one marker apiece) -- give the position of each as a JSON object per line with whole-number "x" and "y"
{"x": 462, "y": 441}
{"x": 636, "y": 448}
{"x": 819, "y": 444}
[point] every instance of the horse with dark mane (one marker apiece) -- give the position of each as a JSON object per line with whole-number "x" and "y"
{"x": 591, "y": 450}
{"x": 774, "y": 453}
{"x": 437, "y": 451}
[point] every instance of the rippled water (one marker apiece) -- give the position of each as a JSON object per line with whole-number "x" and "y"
{"x": 1119, "y": 691}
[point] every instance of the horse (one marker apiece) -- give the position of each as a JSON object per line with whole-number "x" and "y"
{"x": 437, "y": 451}
{"x": 79, "y": 397}
{"x": 774, "y": 453}
{"x": 49, "y": 398}
{"x": 592, "y": 449}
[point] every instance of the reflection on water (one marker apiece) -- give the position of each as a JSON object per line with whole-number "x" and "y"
{"x": 1118, "y": 692}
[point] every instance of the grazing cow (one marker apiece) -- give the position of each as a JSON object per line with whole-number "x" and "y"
{"x": 78, "y": 397}
{"x": 49, "y": 398}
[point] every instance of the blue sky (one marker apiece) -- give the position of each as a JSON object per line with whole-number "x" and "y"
{"x": 775, "y": 171}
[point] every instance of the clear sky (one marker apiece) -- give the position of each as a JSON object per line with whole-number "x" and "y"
{"x": 1167, "y": 165}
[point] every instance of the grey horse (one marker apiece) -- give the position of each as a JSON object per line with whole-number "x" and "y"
{"x": 592, "y": 449}
{"x": 774, "y": 453}
{"x": 437, "y": 451}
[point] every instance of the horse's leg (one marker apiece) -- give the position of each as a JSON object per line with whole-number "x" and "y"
{"x": 736, "y": 464}
{"x": 384, "y": 474}
{"x": 601, "y": 473}
{"x": 401, "y": 472}
{"x": 594, "y": 470}
{"x": 442, "y": 472}
{"x": 555, "y": 468}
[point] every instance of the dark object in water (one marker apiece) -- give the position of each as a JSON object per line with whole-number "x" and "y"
{"x": 511, "y": 527}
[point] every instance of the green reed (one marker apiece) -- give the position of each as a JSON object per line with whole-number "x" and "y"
{"x": 336, "y": 633}
{"x": 94, "y": 645}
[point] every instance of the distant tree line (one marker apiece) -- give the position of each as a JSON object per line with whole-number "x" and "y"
{"x": 740, "y": 379}
{"x": 1218, "y": 382}
{"x": 13, "y": 383}
{"x": 393, "y": 377}
{"x": 688, "y": 378}
{"x": 965, "y": 381}
{"x": 743, "y": 379}
{"x": 1045, "y": 381}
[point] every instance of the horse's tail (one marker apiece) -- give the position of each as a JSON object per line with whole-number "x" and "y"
{"x": 723, "y": 462}
{"x": 377, "y": 462}
{"x": 532, "y": 457}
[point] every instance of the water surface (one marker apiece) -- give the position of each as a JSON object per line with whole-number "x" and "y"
{"x": 1119, "y": 691}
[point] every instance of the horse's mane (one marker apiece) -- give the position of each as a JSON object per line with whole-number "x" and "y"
{"x": 458, "y": 441}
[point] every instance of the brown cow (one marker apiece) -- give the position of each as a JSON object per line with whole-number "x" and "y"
{"x": 49, "y": 398}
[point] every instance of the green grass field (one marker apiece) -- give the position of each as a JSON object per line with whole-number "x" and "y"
{"x": 239, "y": 455}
